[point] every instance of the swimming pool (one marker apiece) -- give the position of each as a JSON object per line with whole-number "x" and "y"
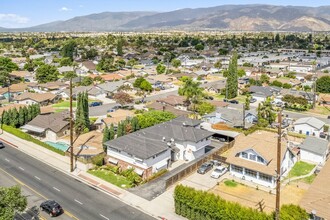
{"x": 58, "y": 145}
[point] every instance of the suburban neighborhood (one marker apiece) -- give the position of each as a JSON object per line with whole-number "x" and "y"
{"x": 165, "y": 124}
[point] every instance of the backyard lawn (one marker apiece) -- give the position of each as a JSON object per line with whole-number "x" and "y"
{"x": 301, "y": 168}
{"x": 110, "y": 177}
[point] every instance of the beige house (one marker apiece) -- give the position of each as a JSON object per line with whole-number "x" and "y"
{"x": 37, "y": 98}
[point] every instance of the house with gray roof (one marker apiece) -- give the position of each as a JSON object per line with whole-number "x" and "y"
{"x": 309, "y": 126}
{"x": 261, "y": 93}
{"x": 50, "y": 126}
{"x": 232, "y": 117}
{"x": 152, "y": 149}
{"x": 314, "y": 150}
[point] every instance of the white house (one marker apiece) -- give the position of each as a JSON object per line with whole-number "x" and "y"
{"x": 309, "y": 126}
{"x": 152, "y": 149}
{"x": 314, "y": 150}
{"x": 253, "y": 158}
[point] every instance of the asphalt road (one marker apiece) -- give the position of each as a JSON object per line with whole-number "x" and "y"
{"x": 79, "y": 200}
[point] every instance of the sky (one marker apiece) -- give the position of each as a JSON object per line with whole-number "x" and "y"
{"x": 26, "y": 13}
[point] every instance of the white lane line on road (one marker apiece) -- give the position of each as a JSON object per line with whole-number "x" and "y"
{"x": 78, "y": 202}
{"x": 21, "y": 168}
{"x": 37, "y": 178}
{"x": 7, "y": 160}
{"x": 104, "y": 217}
{"x": 56, "y": 189}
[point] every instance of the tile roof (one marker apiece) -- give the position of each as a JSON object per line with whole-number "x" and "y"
{"x": 173, "y": 100}
{"x": 10, "y": 106}
{"x": 168, "y": 108}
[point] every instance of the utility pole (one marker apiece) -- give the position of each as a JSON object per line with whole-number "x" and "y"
{"x": 278, "y": 168}
{"x": 71, "y": 129}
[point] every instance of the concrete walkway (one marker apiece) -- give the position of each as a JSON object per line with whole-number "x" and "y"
{"x": 161, "y": 207}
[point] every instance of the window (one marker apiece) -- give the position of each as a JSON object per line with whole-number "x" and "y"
{"x": 251, "y": 173}
{"x": 244, "y": 155}
{"x": 252, "y": 157}
{"x": 236, "y": 169}
{"x": 265, "y": 177}
{"x": 260, "y": 159}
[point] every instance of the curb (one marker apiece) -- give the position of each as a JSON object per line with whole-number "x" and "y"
{"x": 79, "y": 179}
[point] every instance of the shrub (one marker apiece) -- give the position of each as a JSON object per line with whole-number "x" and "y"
{"x": 131, "y": 176}
{"x": 98, "y": 160}
{"x": 156, "y": 175}
{"x": 20, "y": 134}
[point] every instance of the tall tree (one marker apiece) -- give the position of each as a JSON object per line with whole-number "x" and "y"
{"x": 266, "y": 113}
{"x": 69, "y": 49}
{"x": 232, "y": 78}
{"x": 6, "y": 64}
{"x": 119, "y": 130}
{"x": 191, "y": 91}
{"x": 106, "y": 134}
{"x": 120, "y": 43}
{"x": 112, "y": 132}
{"x": 21, "y": 117}
{"x": 82, "y": 122}
{"x": 11, "y": 201}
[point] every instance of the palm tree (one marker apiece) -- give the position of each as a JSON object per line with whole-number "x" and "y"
{"x": 192, "y": 92}
{"x": 266, "y": 112}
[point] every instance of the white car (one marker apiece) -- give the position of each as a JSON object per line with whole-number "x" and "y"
{"x": 218, "y": 171}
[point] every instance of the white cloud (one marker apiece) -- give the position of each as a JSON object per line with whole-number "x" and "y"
{"x": 12, "y": 20}
{"x": 65, "y": 9}
{"x": 81, "y": 6}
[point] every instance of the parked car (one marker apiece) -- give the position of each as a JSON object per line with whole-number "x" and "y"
{"x": 1, "y": 145}
{"x": 233, "y": 101}
{"x": 204, "y": 168}
{"x": 253, "y": 100}
{"x": 219, "y": 171}
{"x": 93, "y": 104}
{"x": 215, "y": 162}
{"x": 51, "y": 207}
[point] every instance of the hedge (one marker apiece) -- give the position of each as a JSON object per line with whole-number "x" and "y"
{"x": 199, "y": 205}
{"x": 27, "y": 137}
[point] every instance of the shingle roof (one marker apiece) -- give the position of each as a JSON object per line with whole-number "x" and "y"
{"x": 55, "y": 122}
{"x": 315, "y": 145}
{"x": 38, "y": 97}
{"x": 150, "y": 141}
{"x": 311, "y": 121}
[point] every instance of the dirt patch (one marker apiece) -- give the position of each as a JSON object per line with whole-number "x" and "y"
{"x": 258, "y": 199}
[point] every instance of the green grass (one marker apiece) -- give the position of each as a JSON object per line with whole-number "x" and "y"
{"x": 309, "y": 179}
{"x": 301, "y": 168}
{"x": 230, "y": 183}
{"x": 64, "y": 104}
{"x": 112, "y": 178}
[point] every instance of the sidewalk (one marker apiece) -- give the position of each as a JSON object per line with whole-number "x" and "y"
{"x": 161, "y": 207}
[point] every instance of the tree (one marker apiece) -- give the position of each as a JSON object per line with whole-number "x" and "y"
{"x": 135, "y": 124}
{"x": 82, "y": 122}
{"x": 7, "y": 64}
{"x": 291, "y": 211}
{"x": 223, "y": 51}
{"x": 205, "y": 108}
{"x": 138, "y": 81}
{"x": 106, "y": 134}
{"x": 120, "y": 130}
{"x": 5, "y": 118}
{"x": 151, "y": 118}
{"x": 199, "y": 47}
{"x": 131, "y": 63}
{"x": 68, "y": 49}
{"x": 291, "y": 75}
{"x": 120, "y": 43}
{"x": 247, "y": 102}
{"x": 277, "y": 83}
{"x": 241, "y": 72}
{"x": 146, "y": 86}
{"x": 112, "y": 132}
{"x": 107, "y": 64}
{"x": 191, "y": 90}
{"x": 287, "y": 86}
{"x": 70, "y": 75}
{"x": 160, "y": 68}
{"x": 87, "y": 81}
{"x": 66, "y": 61}
{"x": 14, "y": 117}
{"x": 266, "y": 113}
{"x": 47, "y": 73}
{"x": 21, "y": 117}
{"x": 323, "y": 84}
{"x": 90, "y": 54}
{"x": 232, "y": 78}
{"x": 176, "y": 63}
{"x": 123, "y": 98}
{"x": 264, "y": 78}
{"x": 218, "y": 65}
{"x": 11, "y": 201}
{"x": 4, "y": 78}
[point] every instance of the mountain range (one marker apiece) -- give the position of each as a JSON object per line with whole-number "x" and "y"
{"x": 225, "y": 17}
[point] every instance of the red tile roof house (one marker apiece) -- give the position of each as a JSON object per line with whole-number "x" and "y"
{"x": 42, "y": 99}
